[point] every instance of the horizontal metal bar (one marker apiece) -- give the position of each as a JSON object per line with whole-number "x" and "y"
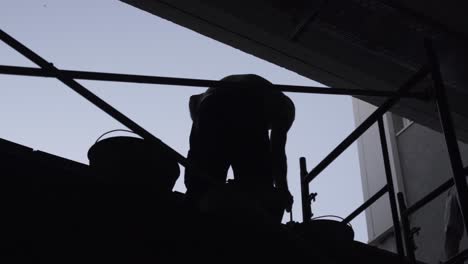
{"x": 431, "y": 196}
{"x": 418, "y": 76}
{"x": 130, "y": 78}
{"x": 366, "y": 204}
{"x": 78, "y": 88}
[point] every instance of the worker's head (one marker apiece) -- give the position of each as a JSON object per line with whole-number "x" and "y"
{"x": 250, "y": 79}
{"x": 246, "y": 78}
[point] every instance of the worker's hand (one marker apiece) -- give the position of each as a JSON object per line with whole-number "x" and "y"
{"x": 287, "y": 199}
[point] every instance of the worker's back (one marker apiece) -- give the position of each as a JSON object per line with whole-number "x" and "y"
{"x": 231, "y": 128}
{"x": 252, "y": 100}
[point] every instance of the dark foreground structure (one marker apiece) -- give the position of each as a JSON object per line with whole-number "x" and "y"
{"x": 56, "y": 210}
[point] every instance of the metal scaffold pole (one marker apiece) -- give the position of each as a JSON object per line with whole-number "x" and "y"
{"x": 80, "y": 89}
{"x": 391, "y": 190}
{"x": 458, "y": 171}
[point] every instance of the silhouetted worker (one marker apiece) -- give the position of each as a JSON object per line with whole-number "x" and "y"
{"x": 231, "y": 128}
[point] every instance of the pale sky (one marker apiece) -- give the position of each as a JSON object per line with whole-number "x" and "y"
{"x": 110, "y": 36}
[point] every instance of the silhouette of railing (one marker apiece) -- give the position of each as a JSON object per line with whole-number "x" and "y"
{"x": 459, "y": 172}
{"x": 68, "y": 77}
{"x": 376, "y": 116}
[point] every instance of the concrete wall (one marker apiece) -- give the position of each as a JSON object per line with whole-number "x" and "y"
{"x": 425, "y": 165}
{"x": 420, "y": 163}
{"x": 373, "y": 178}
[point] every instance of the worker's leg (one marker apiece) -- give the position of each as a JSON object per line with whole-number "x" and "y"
{"x": 208, "y": 162}
{"x": 205, "y": 170}
{"x": 250, "y": 150}
{"x": 251, "y": 161}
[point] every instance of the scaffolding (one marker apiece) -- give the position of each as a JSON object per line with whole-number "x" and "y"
{"x": 401, "y": 228}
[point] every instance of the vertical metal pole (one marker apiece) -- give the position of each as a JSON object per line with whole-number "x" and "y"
{"x": 406, "y": 229}
{"x": 306, "y": 210}
{"x": 391, "y": 190}
{"x": 415, "y": 79}
{"x": 446, "y": 121}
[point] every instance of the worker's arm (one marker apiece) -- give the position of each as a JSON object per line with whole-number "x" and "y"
{"x": 194, "y": 103}
{"x": 280, "y": 167}
{"x": 281, "y": 124}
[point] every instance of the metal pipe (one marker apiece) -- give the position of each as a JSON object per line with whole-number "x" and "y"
{"x": 131, "y": 78}
{"x": 309, "y": 19}
{"x": 449, "y": 132}
{"x": 63, "y": 77}
{"x": 419, "y": 75}
{"x": 305, "y": 198}
{"x": 409, "y": 244}
{"x": 391, "y": 190}
{"x": 431, "y": 196}
{"x": 366, "y": 204}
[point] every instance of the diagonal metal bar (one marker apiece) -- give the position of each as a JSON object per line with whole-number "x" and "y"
{"x": 431, "y": 196}
{"x": 130, "y": 78}
{"x": 309, "y": 19}
{"x": 446, "y": 121}
{"x": 63, "y": 77}
{"x": 459, "y": 258}
{"x": 418, "y": 76}
{"x": 366, "y": 204}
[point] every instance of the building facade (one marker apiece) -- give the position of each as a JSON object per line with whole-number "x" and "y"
{"x": 419, "y": 163}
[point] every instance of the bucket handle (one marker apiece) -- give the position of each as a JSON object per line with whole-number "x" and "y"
{"x": 332, "y": 216}
{"x": 114, "y": 130}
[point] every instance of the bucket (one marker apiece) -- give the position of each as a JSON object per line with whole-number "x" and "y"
{"x": 131, "y": 160}
{"x": 327, "y": 230}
